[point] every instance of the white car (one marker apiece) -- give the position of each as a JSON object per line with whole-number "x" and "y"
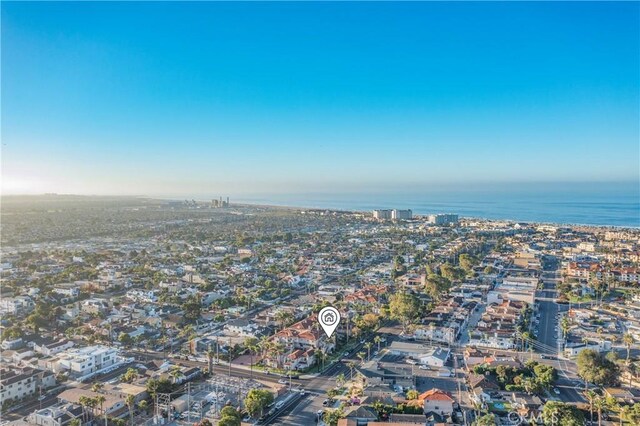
{"x": 556, "y": 391}
{"x": 279, "y": 405}
{"x": 423, "y": 367}
{"x": 283, "y": 381}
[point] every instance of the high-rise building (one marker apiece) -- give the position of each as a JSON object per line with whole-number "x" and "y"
{"x": 382, "y": 214}
{"x": 443, "y": 219}
{"x": 401, "y": 214}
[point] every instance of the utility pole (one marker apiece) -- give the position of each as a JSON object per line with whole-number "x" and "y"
{"x": 230, "y": 352}
{"x": 189, "y": 402}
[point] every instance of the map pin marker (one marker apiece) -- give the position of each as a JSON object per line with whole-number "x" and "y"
{"x": 329, "y": 318}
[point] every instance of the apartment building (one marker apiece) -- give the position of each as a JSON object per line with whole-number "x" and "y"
{"x": 80, "y": 362}
{"x": 16, "y": 305}
{"x": 17, "y": 384}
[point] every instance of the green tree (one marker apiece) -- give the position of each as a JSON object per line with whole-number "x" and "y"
{"x": 628, "y": 340}
{"x": 192, "y": 308}
{"x": 130, "y": 401}
{"x": 595, "y": 368}
{"x": 412, "y": 394}
{"x": 331, "y": 417}
{"x": 486, "y": 420}
{"x": 256, "y": 400}
{"x": 228, "y": 421}
{"x": 467, "y": 262}
{"x": 437, "y": 286}
{"x": 557, "y": 413}
{"x": 404, "y": 308}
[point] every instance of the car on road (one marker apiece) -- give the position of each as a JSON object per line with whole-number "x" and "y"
{"x": 346, "y": 354}
{"x": 283, "y": 381}
{"x": 326, "y": 402}
{"x": 42, "y": 397}
{"x": 303, "y": 392}
{"x": 423, "y": 367}
{"x": 375, "y": 353}
{"x": 279, "y": 405}
{"x": 556, "y": 391}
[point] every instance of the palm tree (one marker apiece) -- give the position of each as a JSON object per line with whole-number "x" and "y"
{"x": 143, "y": 405}
{"x": 251, "y": 343}
{"x": 100, "y": 400}
{"x": 322, "y": 355}
{"x": 175, "y": 373}
{"x": 130, "y": 401}
{"x": 377, "y": 340}
{"x": 600, "y": 404}
{"x": 97, "y": 387}
{"x": 210, "y": 354}
{"x": 368, "y": 345}
{"x": 340, "y": 379}
{"x": 628, "y": 340}
{"x": 361, "y": 355}
{"x": 84, "y": 403}
{"x": 623, "y": 410}
{"x": 591, "y": 397}
{"x": 351, "y": 366}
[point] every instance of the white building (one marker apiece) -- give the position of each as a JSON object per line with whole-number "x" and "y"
{"x": 443, "y": 219}
{"x": 81, "y": 362}
{"x": 382, "y": 214}
{"x": 401, "y": 214}
{"x": 17, "y": 384}
{"x": 16, "y": 305}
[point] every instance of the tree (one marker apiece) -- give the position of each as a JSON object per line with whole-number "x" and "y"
{"x": 595, "y": 368}
{"x": 130, "y": 400}
{"x": 143, "y": 405}
{"x": 100, "y": 400}
{"x": 192, "y": 308}
{"x": 486, "y": 420}
{"x": 125, "y": 339}
{"x": 368, "y": 345}
{"x": 437, "y": 286}
{"x": 251, "y": 343}
{"x": 351, "y": 366}
{"x": 230, "y": 411}
{"x": 558, "y": 413}
{"x": 130, "y": 375}
{"x": 75, "y": 422}
{"x": 628, "y": 340}
{"x": 412, "y": 394}
{"x": 377, "y": 340}
{"x": 452, "y": 273}
{"x": 331, "y": 417}
{"x": 256, "y": 400}
{"x": 467, "y": 262}
{"x": 155, "y": 386}
{"x": 340, "y": 380}
{"x": 229, "y": 421}
{"x": 404, "y": 308}
{"x": 361, "y": 356}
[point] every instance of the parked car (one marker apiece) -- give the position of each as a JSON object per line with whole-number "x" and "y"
{"x": 283, "y": 381}
{"x": 424, "y": 367}
{"x": 556, "y": 391}
{"x": 279, "y": 405}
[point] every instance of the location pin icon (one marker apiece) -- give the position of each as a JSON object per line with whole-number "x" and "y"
{"x": 329, "y": 318}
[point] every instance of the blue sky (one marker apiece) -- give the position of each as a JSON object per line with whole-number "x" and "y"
{"x": 166, "y": 98}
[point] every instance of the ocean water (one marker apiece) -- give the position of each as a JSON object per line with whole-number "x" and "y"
{"x": 610, "y": 204}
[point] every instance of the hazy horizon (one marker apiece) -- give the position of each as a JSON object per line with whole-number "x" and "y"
{"x": 273, "y": 98}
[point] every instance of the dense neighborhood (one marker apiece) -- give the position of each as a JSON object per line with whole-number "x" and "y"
{"x": 136, "y": 311}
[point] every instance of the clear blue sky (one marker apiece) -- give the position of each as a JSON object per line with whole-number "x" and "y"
{"x": 165, "y": 98}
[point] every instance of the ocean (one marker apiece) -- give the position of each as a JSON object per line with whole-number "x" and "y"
{"x": 608, "y": 204}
